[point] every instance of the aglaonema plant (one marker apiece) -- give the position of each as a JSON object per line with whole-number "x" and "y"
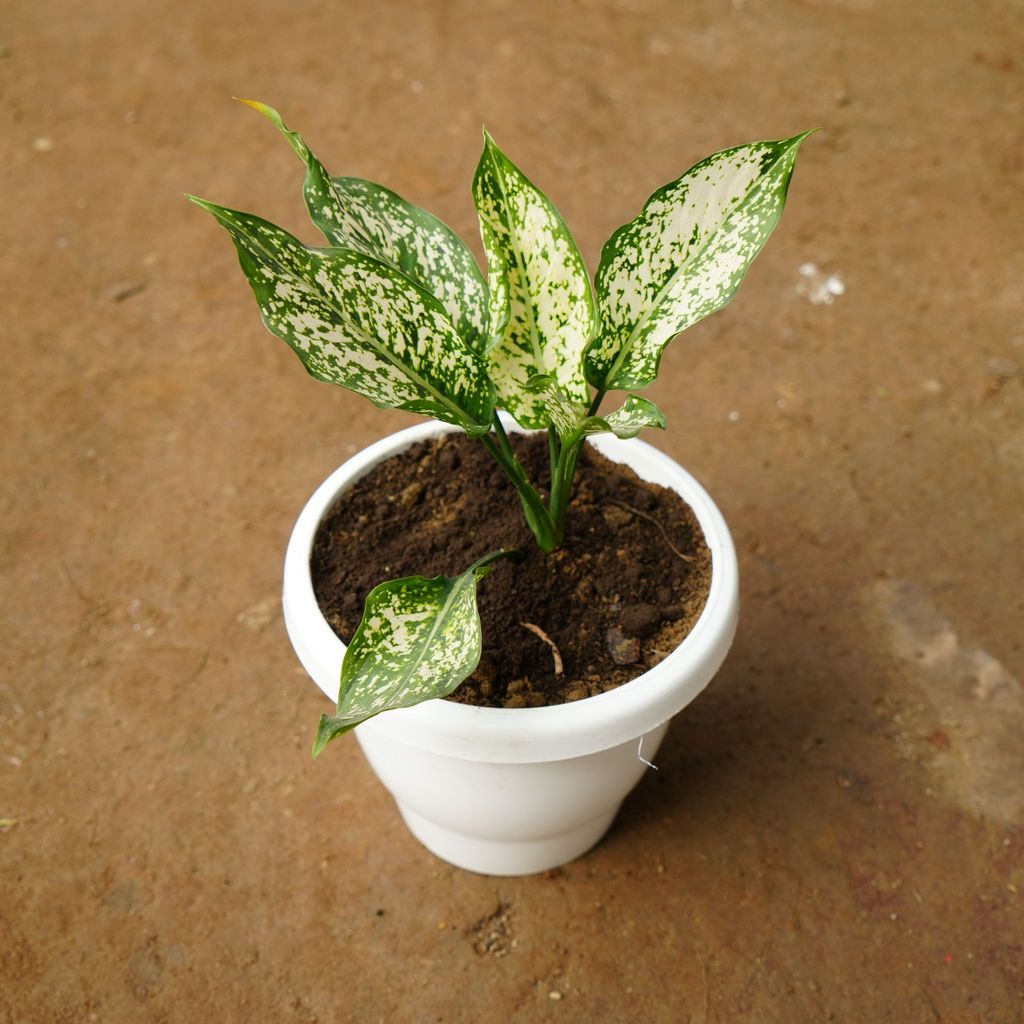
{"x": 395, "y": 308}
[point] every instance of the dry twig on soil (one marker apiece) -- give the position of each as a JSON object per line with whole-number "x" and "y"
{"x": 555, "y": 654}
{"x": 651, "y": 519}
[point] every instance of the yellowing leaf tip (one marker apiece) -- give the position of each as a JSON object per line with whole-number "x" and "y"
{"x": 255, "y": 104}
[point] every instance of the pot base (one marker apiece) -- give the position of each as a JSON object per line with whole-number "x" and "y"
{"x": 501, "y": 857}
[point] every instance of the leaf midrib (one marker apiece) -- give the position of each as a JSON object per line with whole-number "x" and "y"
{"x": 454, "y": 589}
{"x": 535, "y": 344}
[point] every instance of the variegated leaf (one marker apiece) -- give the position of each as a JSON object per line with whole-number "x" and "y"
{"x": 635, "y": 415}
{"x": 542, "y": 310}
{"x": 684, "y": 257}
{"x": 425, "y": 249}
{"x": 562, "y": 412}
{"x": 357, "y": 214}
{"x": 571, "y": 421}
{"x": 358, "y": 322}
{"x": 418, "y": 639}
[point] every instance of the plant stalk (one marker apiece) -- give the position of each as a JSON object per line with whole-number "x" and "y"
{"x": 564, "y": 471}
{"x": 538, "y": 518}
{"x": 503, "y": 441}
{"x": 566, "y": 474}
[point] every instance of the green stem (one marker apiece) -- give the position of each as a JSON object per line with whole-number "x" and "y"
{"x": 509, "y": 468}
{"x": 566, "y": 473}
{"x": 553, "y": 451}
{"x": 511, "y": 553}
{"x": 558, "y": 482}
{"x": 537, "y": 516}
{"x": 506, "y": 444}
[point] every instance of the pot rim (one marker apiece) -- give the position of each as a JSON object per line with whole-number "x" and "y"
{"x": 523, "y": 735}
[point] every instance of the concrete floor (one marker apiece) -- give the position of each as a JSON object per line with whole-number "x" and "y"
{"x": 835, "y": 833}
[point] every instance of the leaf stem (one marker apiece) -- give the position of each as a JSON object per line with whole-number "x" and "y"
{"x": 513, "y": 554}
{"x": 595, "y": 404}
{"x": 506, "y": 445}
{"x": 538, "y": 518}
{"x": 558, "y": 482}
{"x": 562, "y": 491}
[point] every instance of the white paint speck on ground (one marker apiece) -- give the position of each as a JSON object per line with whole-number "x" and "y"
{"x": 734, "y": 416}
{"x": 817, "y": 287}
{"x": 44, "y": 144}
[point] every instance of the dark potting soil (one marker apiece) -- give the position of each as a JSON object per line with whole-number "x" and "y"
{"x": 625, "y": 588}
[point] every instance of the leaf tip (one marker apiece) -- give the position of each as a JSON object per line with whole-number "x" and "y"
{"x": 797, "y": 139}
{"x": 260, "y": 108}
{"x": 324, "y": 735}
{"x": 489, "y": 143}
{"x": 201, "y": 203}
{"x": 294, "y": 139}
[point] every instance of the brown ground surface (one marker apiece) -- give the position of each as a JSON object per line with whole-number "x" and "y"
{"x": 835, "y": 833}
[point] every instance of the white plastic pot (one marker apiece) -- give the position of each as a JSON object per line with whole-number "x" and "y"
{"x": 514, "y": 791}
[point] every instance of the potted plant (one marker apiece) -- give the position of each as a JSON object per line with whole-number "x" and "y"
{"x": 395, "y": 309}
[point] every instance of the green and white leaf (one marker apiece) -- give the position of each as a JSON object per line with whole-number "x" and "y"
{"x": 418, "y": 639}
{"x": 542, "y": 312}
{"x": 571, "y": 421}
{"x": 425, "y": 249}
{"x": 357, "y": 214}
{"x": 635, "y": 415}
{"x": 358, "y": 322}
{"x": 684, "y": 256}
{"x": 563, "y": 413}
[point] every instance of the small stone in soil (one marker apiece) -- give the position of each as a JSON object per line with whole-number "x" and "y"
{"x": 616, "y": 516}
{"x": 448, "y": 458}
{"x": 412, "y": 495}
{"x": 625, "y": 650}
{"x": 640, "y": 620}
